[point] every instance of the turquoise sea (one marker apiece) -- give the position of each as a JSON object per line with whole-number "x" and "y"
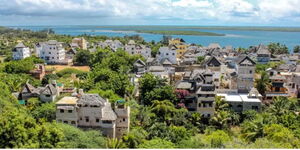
{"x": 236, "y": 38}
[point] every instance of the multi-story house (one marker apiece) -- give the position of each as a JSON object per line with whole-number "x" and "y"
{"x": 277, "y": 87}
{"x": 134, "y": 49}
{"x": 52, "y": 52}
{"x": 243, "y": 102}
{"x": 79, "y": 43}
{"x": 180, "y": 45}
{"x": 112, "y": 44}
{"x": 20, "y": 52}
{"x": 92, "y": 111}
{"x": 245, "y": 68}
{"x": 213, "y": 64}
{"x": 263, "y": 54}
{"x": 139, "y": 67}
{"x": 168, "y": 53}
{"x": 45, "y": 94}
{"x": 206, "y": 95}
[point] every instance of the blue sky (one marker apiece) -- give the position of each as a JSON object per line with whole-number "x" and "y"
{"x": 150, "y": 12}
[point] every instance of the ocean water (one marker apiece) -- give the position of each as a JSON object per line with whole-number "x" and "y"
{"x": 235, "y": 38}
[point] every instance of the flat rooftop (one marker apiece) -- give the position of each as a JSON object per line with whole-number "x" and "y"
{"x": 238, "y": 98}
{"x": 68, "y": 100}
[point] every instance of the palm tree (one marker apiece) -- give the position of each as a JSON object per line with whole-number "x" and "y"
{"x": 221, "y": 119}
{"x": 263, "y": 84}
{"x": 114, "y": 143}
{"x": 220, "y": 104}
{"x": 280, "y": 106}
{"x": 163, "y": 109}
{"x": 253, "y": 129}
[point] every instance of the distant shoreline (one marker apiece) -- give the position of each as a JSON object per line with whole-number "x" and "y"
{"x": 239, "y": 28}
{"x": 172, "y": 32}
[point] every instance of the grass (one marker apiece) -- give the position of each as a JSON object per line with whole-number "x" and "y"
{"x": 168, "y": 32}
{"x": 61, "y": 67}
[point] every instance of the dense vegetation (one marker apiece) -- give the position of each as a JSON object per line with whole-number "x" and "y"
{"x": 157, "y": 121}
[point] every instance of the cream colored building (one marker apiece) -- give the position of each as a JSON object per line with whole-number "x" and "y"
{"x": 79, "y": 43}
{"x": 92, "y": 111}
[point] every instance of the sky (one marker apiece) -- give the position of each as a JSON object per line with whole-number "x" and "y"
{"x": 150, "y": 12}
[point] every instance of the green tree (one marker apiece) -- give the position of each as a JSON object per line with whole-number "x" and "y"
{"x": 200, "y": 59}
{"x": 77, "y": 138}
{"x": 163, "y": 110}
{"x": 217, "y": 139}
{"x": 163, "y": 93}
{"x": 297, "y": 49}
{"x": 277, "y": 48}
{"x": 135, "y": 137}
{"x": 82, "y": 58}
{"x": 263, "y": 84}
{"x": 45, "y": 111}
{"x": 157, "y": 143}
{"x": 115, "y": 143}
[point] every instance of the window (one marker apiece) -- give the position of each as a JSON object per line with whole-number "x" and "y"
{"x": 173, "y": 54}
{"x": 73, "y": 122}
{"x": 208, "y": 115}
{"x": 210, "y": 104}
{"x": 255, "y": 108}
{"x": 69, "y": 111}
{"x": 239, "y": 106}
{"x": 52, "y": 57}
{"x": 87, "y": 119}
{"x": 49, "y": 52}
{"x": 97, "y": 120}
{"x": 47, "y": 95}
{"x": 62, "y": 111}
{"x": 65, "y": 121}
{"x": 80, "y": 118}
{"x": 167, "y": 54}
{"x": 250, "y": 71}
{"x": 199, "y": 105}
{"x": 106, "y": 121}
{"x": 124, "y": 119}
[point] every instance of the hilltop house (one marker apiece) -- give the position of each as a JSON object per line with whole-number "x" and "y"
{"x": 20, "y": 52}
{"x": 245, "y": 67}
{"x": 243, "y": 102}
{"x": 79, "y": 43}
{"x": 46, "y": 94}
{"x": 92, "y": 111}
{"x": 168, "y": 53}
{"x": 112, "y": 44}
{"x": 277, "y": 87}
{"x": 52, "y": 52}
{"x": 263, "y": 54}
{"x": 180, "y": 45}
{"x": 134, "y": 49}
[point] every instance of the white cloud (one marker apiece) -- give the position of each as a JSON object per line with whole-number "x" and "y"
{"x": 218, "y": 10}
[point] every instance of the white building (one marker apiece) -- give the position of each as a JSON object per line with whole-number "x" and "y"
{"x": 245, "y": 67}
{"x": 113, "y": 45}
{"x": 134, "y": 49}
{"x": 167, "y": 53}
{"x": 243, "y": 102}
{"x": 52, "y": 52}
{"x": 20, "y": 51}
